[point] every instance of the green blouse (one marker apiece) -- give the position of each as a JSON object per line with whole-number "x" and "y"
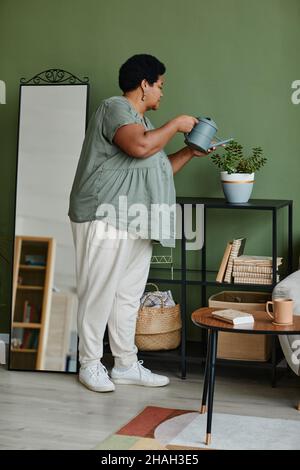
{"x": 140, "y": 191}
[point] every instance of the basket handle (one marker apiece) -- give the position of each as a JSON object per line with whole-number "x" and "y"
{"x": 152, "y": 284}
{"x": 157, "y": 295}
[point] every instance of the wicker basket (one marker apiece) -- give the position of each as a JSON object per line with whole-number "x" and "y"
{"x": 158, "y": 328}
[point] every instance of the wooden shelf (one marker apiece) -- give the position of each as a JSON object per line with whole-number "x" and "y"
{"x": 35, "y": 268}
{"x": 21, "y": 324}
{"x": 30, "y": 287}
{"x": 19, "y": 350}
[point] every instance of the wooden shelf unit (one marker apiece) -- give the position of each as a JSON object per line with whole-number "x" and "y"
{"x": 32, "y": 294}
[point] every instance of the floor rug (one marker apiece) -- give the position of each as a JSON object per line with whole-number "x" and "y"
{"x": 158, "y": 428}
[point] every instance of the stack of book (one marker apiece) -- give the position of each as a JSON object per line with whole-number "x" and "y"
{"x": 254, "y": 269}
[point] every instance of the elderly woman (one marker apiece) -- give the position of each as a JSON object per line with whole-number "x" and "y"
{"x": 122, "y": 167}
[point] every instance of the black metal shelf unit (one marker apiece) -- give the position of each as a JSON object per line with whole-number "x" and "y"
{"x": 184, "y": 275}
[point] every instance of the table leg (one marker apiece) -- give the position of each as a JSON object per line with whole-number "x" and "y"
{"x": 183, "y": 296}
{"x": 206, "y": 376}
{"x": 274, "y": 360}
{"x": 212, "y": 367}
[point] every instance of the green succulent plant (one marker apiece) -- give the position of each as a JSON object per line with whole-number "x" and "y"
{"x": 234, "y": 161}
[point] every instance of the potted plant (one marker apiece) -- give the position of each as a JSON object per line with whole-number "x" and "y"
{"x": 237, "y": 175}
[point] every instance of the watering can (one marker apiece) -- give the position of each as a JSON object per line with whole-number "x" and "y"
{"x": 202, "y": 134}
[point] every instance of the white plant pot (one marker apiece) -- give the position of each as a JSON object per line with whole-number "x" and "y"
{"x": 237, "y": 187}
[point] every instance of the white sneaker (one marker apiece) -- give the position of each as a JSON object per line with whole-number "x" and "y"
{"x": 137, "y": 374}
{"x": 96, "y": 378}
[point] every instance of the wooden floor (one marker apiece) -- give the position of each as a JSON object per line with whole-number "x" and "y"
{"x": 54, "y": 411}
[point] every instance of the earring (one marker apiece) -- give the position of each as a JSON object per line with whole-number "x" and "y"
{"x": 144, "y": 96}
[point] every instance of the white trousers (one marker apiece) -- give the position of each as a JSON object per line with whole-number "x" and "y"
{"x": 111, "y": 276}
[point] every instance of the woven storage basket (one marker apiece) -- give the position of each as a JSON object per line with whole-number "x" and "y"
{"x": 158, "y": 328}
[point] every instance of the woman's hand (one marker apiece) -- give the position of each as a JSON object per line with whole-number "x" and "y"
{"x": 183, "y": 156}
{"x": 197, "y": 153}
{"x": 203, "y": 154}
{"x": 185, "y": 123}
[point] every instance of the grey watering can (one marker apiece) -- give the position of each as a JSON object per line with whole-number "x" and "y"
{"x": 202, "y": 134}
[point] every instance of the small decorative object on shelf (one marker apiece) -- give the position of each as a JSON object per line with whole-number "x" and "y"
{"x": 16, "y": 343}
{"x": 35, "y": 260}
{"x": 238, "y": 171}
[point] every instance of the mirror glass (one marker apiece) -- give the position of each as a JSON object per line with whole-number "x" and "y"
{"x": 52, "y": 124}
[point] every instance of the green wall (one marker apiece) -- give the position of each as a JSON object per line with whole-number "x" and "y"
{"x": 234, "y": 60}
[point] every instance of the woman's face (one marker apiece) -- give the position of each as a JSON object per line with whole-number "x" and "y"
{"x": 154, "y": 93}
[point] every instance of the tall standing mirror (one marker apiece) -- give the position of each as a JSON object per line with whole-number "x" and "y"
{"x": 52, "y": 124}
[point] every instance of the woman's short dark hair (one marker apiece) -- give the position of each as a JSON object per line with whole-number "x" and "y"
{"x": 138, "y": 68}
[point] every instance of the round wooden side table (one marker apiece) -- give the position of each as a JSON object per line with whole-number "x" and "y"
{"x": 262, "y": 325}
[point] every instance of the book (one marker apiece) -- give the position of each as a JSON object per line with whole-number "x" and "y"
{"x": 26, "y": 339}
{"x": 252, "y": 275}
{"x": 26, "y": 312}
{"x": 256, "y": 260}
{"x": 33, "y": 316}
{"x": 237, "y": 249}
{"x": 235, "y": 317}
{"x": 248, "y": 268}
{"x": 248, "y": 280}
{"x": 224, "y": 262}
